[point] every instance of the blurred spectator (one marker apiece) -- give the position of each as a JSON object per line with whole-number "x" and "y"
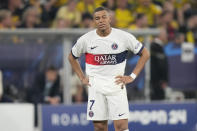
{"x": 150, "y": 9}
{"x": 88, "y": 5}
{"x": 113, "y": 18}
{"x": 179, "y": 3}
{"x": 79, "y": 93}
{"x": 110, "y": 4}
{"x": 177, "y": 12}
{"x": 31, "y": 18}
{"x": 16, "y": 7}
{"x": 61, "y": 23}
{"x": 179, "y": 38}
{"x": 6, "y": 23}
{"x": 41, "y": 10}
{"x": 166, "y": 21}
{"x": 125, "y": 12}
{"x": 70, "y": 13}
{"x": 190, "y": 28}
{"x": 158, "y": 2}
{"x": 5, "y": 19}
{"x": 99, "y": 2}
{"x": 123, "y": 15}
{"x": 168, "y": 6}
{"x": 87, "y": 21}
{"x": 141, "y": 22}
{"x": 159, "y": 67}
{"x": 51, "y": 7}
{"x": 46, "y": 88}
{"x": 50, "y": 4}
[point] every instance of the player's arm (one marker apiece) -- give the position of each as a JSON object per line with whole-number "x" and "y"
{"x": 144, "y": 56}
{"x": 77, "y": 68}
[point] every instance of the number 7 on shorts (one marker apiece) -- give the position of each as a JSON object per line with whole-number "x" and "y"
{"x": 91, "y": 104}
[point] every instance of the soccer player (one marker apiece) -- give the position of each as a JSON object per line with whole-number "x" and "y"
{"x": 105, "y": 49}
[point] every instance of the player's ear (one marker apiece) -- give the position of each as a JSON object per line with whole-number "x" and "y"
{"x": 111, "y": 16}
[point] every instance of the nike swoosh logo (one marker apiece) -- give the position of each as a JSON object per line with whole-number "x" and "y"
{"x": 93, "y": 47}
{"x": 121, "y": 114}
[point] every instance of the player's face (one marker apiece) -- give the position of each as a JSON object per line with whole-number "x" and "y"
{"x": 102, "y": 20}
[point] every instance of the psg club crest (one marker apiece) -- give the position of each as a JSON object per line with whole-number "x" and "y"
{"x": 91, "y": 113}
{"x": 114, "y": 46}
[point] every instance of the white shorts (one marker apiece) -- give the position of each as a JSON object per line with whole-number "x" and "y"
{"x": 106, "y": 106}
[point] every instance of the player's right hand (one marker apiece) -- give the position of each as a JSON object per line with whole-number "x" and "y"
{"x": 85, "y": 81}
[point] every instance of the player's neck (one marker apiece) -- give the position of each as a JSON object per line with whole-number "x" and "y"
{"x": 104, "y": 33}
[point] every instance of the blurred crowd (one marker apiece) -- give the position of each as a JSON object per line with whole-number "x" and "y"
{"x": 177, "y": 20}
{"x": 173, "y": 15}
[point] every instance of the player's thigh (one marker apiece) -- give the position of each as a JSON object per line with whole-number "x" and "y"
{"x": 121, "y": 125}
{"x": 118, "y": 106}
{"x": 97, "y": 105}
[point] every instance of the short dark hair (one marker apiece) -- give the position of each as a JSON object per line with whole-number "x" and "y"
{"x": 140, "y": 15}
{"x": 51, "y": 68}
{"x": 101, "y": 9}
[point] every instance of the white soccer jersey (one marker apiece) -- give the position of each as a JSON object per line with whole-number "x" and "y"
{"x": 106, "y": 56}
{"x": 105, "y": 59}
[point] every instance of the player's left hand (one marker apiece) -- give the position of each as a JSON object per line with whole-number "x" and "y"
{"x": 123, "y": 80}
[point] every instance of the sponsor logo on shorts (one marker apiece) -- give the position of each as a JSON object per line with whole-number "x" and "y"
{"x": 91, "y": 113}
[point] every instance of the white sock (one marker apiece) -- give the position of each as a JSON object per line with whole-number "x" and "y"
{"x": 126, "y": 130}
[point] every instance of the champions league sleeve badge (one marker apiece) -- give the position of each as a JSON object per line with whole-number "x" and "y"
{"x": 114, "y": 46}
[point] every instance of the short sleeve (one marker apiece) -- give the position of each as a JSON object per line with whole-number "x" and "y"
{"x": 134, "y": 45}
{"x": 79, "y": 48}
